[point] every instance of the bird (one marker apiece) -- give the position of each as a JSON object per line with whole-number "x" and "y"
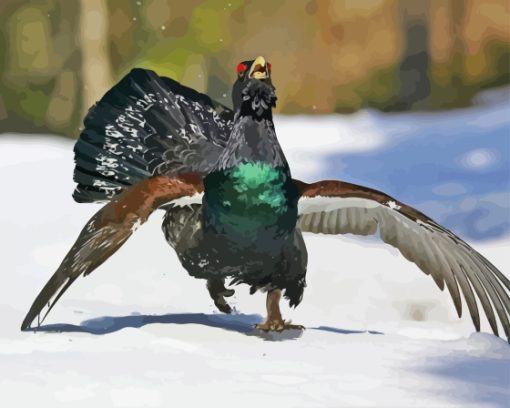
{"x": 231, "y": 207}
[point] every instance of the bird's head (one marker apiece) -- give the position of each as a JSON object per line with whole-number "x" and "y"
{"x": 253, "y": 92}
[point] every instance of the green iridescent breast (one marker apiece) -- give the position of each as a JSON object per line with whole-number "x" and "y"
{"x": 250, "y": 196}
{"x": 257, "y": 185}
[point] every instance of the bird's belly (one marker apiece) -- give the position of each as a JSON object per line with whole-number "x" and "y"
{"x": 239, "y": 221}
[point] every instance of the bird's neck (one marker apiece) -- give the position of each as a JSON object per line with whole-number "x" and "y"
{"x": 252, "y": 140}
{"x": 247, "y": 110}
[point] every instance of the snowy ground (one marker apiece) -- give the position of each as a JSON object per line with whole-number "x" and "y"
{"x": 139, "y": 332}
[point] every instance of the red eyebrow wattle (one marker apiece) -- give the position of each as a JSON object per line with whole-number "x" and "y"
{"x": 240, "y": 68}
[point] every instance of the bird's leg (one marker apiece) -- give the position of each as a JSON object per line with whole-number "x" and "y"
{"x": 274, "y": 321}
{"x": 218, "y": 292}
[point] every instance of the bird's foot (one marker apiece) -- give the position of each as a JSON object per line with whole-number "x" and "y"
{"x": 221, "y": 303}
{"x": 278, "y": 326}
{"x": 218, "y": 293}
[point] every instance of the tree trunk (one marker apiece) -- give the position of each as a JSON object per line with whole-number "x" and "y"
{"x": 96, "y": 68}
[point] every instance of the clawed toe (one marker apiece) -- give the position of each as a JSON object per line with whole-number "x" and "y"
{"x": 278, "y": 326}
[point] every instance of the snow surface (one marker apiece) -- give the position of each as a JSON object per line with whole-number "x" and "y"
{"x": 139, "y": 332}
{"x": 454, "y": 166}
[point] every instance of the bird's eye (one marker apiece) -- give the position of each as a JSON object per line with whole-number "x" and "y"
{"x": 241, "y": 68}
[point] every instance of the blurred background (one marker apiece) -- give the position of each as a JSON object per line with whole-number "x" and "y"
{"x": 407, "y": 96}
{"x": 58, "y": 57}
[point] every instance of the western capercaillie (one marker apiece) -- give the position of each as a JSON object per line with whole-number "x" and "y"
{"x": 232, "y": 208}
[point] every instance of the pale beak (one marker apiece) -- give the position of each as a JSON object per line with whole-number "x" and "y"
{"x": 258, "y": 69}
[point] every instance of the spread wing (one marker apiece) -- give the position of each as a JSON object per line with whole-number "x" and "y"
{"x": 107, "y": 231}
{"x": 335, "y": 207}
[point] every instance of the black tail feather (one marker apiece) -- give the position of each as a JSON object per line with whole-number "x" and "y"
{"x": 146, "y": 125}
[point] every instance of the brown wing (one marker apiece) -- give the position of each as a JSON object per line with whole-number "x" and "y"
{"x": 107, "y": 230}
{"x": 336, "y": 207}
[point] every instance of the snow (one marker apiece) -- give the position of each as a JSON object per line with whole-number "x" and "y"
{"x": 140, "y": 332}
{"x": 411, "y": 156}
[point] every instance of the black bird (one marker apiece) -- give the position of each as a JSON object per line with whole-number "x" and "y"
{"x": 232, "y": 207}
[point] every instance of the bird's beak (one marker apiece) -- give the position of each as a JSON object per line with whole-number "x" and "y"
{"x": 258, "y": 69}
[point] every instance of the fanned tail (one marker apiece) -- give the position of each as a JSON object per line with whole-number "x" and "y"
{"x": 146, "y": 125}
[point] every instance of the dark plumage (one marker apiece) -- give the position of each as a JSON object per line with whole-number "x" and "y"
{"x": 147, "y": 125}
{"x": 232, "y": 207}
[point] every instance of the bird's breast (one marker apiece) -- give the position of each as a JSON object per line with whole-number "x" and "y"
{"x": 250, "y": 200}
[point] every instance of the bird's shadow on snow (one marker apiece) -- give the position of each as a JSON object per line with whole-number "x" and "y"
{"x": 240, "y": 323}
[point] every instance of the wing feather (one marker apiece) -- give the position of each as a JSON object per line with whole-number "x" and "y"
{"x": 335, "y": 207}
{"x": 449, "y": 277}
{"x": 107, "y": 231}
